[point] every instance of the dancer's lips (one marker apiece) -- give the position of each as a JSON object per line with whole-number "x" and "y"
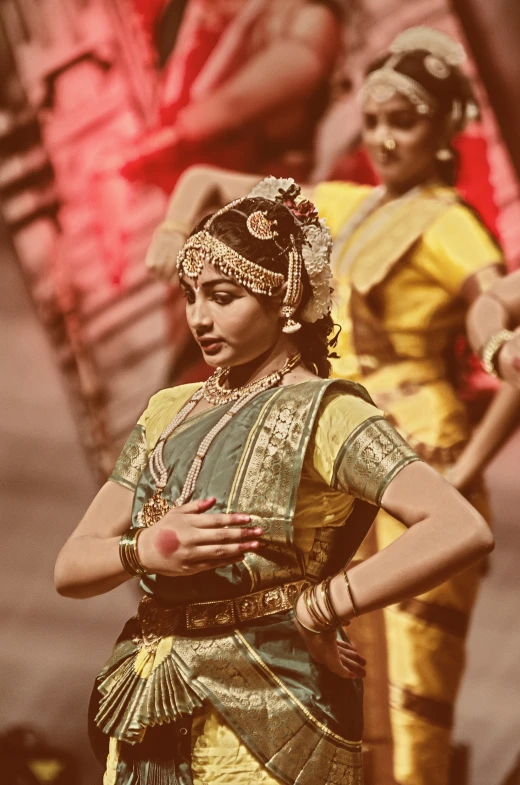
{"x": 210, "y": 345}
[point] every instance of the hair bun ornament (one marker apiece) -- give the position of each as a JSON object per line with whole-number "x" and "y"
{"x": 317, "y": 245}
{"x": 260, "y": 226}
{"x": 428, "y": 39}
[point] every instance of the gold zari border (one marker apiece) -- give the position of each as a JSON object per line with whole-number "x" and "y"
{"x": 370, "y": 459}
{"x": 275, "y": 726}
{"x": 133, "y": 459}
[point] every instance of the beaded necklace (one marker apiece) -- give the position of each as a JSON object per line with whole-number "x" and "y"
{"x": 157, "y": 506}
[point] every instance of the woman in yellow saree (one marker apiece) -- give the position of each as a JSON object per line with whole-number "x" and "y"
{"x": 238, "y": 503}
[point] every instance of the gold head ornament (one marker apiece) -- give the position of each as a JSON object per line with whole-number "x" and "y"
{"x": 442, "y": 55}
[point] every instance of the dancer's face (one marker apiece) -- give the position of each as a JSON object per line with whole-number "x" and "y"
{"x": 231, "y": 325}
{"x": 417, "y": 138}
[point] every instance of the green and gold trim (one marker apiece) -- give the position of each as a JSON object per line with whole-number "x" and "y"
{"x": 369, "y": 460}
{"x": 132, "y": 460}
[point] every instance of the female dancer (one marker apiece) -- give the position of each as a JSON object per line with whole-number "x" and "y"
{"x": 409, "y": 258}
{"x": 238, "y": 502}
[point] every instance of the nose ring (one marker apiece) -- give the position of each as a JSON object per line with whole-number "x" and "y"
{"x": 389, "y": 145}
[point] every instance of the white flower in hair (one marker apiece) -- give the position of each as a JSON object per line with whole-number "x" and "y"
{"x": 269, "y": 187}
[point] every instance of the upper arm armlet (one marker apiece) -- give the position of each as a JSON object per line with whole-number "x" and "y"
{"x": 133, "y": 459}
{"x": 370, "y": 458}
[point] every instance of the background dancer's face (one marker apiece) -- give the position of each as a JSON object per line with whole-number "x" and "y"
{"x": 417, "y": 138}
{"x": 231, "y": 325}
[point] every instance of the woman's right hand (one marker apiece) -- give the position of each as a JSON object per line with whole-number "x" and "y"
{"x": 189, "y": 540}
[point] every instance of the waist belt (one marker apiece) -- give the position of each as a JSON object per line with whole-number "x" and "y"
{"x": 156, "y": 621}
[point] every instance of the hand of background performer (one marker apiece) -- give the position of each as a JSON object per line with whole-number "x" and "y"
{"x": 509, "y": 361}
{"x": 189, "y": 540}
{"x": 337, "y": 655}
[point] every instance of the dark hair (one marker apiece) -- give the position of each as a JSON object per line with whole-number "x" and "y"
{"x": 455, "y": 88}
{"x": 313, "y": 340}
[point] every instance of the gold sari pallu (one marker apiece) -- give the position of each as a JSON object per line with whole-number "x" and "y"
{"x": 157, "y": 621}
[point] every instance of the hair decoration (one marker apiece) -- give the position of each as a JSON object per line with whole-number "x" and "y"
{"x": 429, "y": 40}
{"x": 202, "y": 248}
{"x": 260, "y": 226}
{"x": 315, "y": 251}
{"x": 383, "y": 84}
{"x": 436, "y": 67}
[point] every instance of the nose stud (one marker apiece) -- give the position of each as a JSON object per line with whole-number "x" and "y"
{"x": 389, "y": 145}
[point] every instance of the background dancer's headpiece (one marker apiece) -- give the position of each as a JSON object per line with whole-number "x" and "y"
{"x": 307, "y": 249}
{"x": 438, "y": 84}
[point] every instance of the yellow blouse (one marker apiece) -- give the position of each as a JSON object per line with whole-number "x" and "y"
{"x": 417, "y": 301}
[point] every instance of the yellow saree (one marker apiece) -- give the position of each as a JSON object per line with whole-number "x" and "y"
{"x": 400, "y": 271}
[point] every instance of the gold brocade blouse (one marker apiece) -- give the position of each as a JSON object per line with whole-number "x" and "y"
{"x": 321, "y": 501}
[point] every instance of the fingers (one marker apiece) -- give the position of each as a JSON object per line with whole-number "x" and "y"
{"x": 212, "y": 521}
{"x": 200, "y": 566}
{"x": 212, "y": 553}
{"x": 348, "y": 650}
{"x": 226, "y": 535}
{"x": 198, "y": 505}
{"x": 355, "y": 670}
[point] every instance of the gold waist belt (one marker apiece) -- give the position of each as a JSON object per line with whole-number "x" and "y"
{"x": 156, "y": 621}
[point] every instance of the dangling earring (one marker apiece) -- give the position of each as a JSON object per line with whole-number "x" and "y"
{"x": 290, "y": 325}
{"x": 294, "y": 277}
{"x": 444, "y": 154}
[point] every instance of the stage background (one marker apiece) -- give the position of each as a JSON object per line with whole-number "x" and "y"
{"x": 86, "y": 336}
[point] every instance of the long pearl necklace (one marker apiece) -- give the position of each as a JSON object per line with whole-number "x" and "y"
{"x": 157, "y": 506}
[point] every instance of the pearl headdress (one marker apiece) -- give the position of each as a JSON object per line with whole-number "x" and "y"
{"x": 443, "y": 55}
{"x": 202, "y": 247}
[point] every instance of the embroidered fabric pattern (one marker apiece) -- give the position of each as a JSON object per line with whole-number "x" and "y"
{"x": 132, "y": 460}
{"x": 369, "y": 460}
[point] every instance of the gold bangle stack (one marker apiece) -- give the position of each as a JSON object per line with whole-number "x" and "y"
{"x": 488, "y": 352}
{"x": 349, "y": 589}
{"x": 128, "y": 552}
{"x": 325, "y": 623}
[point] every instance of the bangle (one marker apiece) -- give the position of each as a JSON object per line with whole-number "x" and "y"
{"x": 328, "y": 602}
{"x": 351, "y": 596}
{"x": 309, "y": 629}
{"x": 312, "y": 609}
{"x": 176, "y": 226}
{"x": 489, "y": 350}
{"x": 128, "y": 552}
{"x": 324, "y": 620}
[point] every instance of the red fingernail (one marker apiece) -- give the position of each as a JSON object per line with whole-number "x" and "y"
{"x": 258, "y": 531}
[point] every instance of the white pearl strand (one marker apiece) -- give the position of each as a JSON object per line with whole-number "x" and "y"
{"x": 156, "y": 463}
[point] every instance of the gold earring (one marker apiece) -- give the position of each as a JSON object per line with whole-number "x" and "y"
{"x": 444, "y": 154}
{"x": 290, "y": 325}
{"x": 389, "y": 145}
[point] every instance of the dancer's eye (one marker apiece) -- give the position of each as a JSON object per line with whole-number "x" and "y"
{"x": 222, "y": 298}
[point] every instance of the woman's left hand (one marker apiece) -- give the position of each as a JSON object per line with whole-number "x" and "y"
{"x": 337, "y": 655}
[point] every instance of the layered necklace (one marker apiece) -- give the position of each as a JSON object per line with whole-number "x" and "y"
{"x": 157, "y": 506}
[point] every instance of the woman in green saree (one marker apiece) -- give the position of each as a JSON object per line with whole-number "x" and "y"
{"x": 238, "y": 503}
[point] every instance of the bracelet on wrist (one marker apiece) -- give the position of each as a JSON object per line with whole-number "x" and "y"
{"x": 176, "y": 226}
{"x": 325, "y": 589}
{"x": 349, "y": 590}
{"x": 310, "y": 602}
{"x": 490, "y": 349}
{"x": 128, "y": 552}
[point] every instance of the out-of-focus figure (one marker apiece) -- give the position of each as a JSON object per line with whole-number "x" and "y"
{"x": 244, "y": 87}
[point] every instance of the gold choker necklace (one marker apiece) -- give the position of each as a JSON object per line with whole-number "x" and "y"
{"x": 217, "y": 395}
{"x": 157, "y": 506}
